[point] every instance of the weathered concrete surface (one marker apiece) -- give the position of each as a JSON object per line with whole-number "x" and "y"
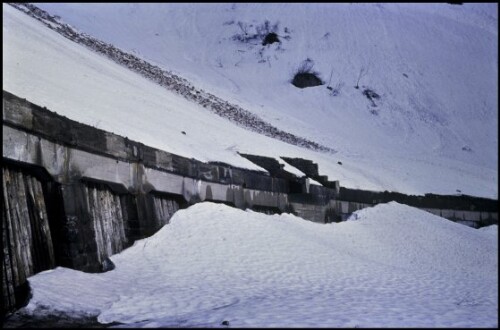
{"x": 474, "y": 219}
{"x": 431, "y": 201}
{"x": 470, "y": 218}
{"x": 310, "y": 169}
{"x": 104, "y": 191}
{"x": 30, "y": 136}
{"x": 68, "y": 165}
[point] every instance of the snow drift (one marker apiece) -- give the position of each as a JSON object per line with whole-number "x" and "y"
{"x": 388, "y": 266}
{"x": 432, "y": 128}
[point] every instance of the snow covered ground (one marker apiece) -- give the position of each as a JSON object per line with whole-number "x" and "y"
{"x": 433, "y": 130}
{"x": 387, "y": 266}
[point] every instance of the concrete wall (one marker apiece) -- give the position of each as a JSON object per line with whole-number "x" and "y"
{"x": 474, "y": 219}
{"x": 427, "y": 201}
{"x": 343, "y": 209}
{"x": 68, "y": 166}
{"x": 69, "y": 151}
{"x": 101, "y": 192}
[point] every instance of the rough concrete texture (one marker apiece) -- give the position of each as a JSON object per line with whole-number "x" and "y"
{"x": 102, "y": 191}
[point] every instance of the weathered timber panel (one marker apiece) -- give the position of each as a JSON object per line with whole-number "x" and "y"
{"x": 164, "y": 208}
{"x": 27, "y": 243}
{"x": 130, "y": 213}
{"x": 107, "y": 219}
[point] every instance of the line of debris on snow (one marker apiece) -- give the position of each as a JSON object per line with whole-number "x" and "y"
{"x": 172, "y": 82}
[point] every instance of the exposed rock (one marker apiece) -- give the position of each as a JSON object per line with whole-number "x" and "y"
{"x": 270, "y": 38}
{"x": 306, "y": 79}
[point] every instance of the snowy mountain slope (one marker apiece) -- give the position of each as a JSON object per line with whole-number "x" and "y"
{"x": 433, "y": 130}
{"x": 388, "y": 266}
{"x": 170, "y": 81}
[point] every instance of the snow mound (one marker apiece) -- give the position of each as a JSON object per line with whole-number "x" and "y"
{"x": 492, "y": 230}
{"x": 396, "y": 266}
{"x": 400, "y": 235}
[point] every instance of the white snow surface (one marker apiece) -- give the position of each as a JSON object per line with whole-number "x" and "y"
{"x": 387, "y": 266}
{"x": 435, "y": 66}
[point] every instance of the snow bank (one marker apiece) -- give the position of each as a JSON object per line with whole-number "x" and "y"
{"x": 492, "y": 229}
{"x": 394, "y": 266}
{"x": 388, "y": 266}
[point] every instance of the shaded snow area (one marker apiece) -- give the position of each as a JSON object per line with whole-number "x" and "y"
{"x": 387, "y": 266}
{"x": 423, "y": 120}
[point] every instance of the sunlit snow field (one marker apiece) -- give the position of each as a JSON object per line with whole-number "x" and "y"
{"x": 387, "y": 266}
{"x": 435, "y": 131}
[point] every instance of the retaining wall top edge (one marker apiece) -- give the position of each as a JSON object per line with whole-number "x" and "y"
{"x": 70, "y": 133}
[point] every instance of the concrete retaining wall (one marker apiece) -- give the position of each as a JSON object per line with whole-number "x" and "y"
{"x": 89, "y": 194}
{"x": 474, "y": 219}
{"x": 103, "y": 191}
{"x": 343, "y": 209}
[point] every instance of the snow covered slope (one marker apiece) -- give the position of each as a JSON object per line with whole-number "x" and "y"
{"x": 388, "y": 266}
{"x": 433, "y": 129}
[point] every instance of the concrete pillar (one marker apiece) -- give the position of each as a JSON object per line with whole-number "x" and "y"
{"x": 79, "y": 248}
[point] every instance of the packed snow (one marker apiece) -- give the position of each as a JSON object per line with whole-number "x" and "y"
{"x": 387, "y": 266}
{"x": 434, "y": 128}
